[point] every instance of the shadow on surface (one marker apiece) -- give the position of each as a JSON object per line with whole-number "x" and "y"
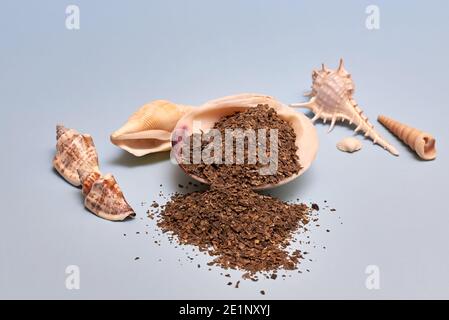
{"x": 292, "y": 190}
{"x": 81, "y": 198}
{"x": 390, "y": 138}
{"x": 128, "y": 160}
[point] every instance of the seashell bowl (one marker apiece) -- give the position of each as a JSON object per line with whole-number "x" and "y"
{"x": 209, "y": 113}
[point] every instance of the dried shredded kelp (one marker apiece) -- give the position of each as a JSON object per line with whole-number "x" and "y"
{"x": 247, "y": 174}
{"x": 239, "y": 227}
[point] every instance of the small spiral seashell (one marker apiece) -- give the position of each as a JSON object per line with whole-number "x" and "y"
{"x": 419, "y": 141}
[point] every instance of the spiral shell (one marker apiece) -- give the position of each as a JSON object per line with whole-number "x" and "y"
{"x": 74, "y": 151}
{"x": 149, "y": 129}
{"x": 103, "y": 197}
{"x": 419, "y": 141}
{"x": 332, "y": 100}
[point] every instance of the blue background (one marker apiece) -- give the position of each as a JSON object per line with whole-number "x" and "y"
{"x": 126, "y": 53}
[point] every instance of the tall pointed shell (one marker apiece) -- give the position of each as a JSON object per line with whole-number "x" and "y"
{"x": 421, "y": 142}
{"x": 332, "y": 100}
{"x": 209, "y": 113}
{"x": 104, "y": 197}
{"x": 148, "y": 130}
{"x": 74, "y": 151}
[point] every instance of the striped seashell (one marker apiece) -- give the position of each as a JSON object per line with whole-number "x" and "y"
{"x": 103, "y": 197}
{"x": 74, "y": 151}
{"x": 149, "y": 129}
{"x": 421, "y": 142}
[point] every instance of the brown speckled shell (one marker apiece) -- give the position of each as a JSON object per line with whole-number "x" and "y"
{"x": 88, "y": 178}
{"x": 74, "y": 151}
{"x": 106, "y": 200}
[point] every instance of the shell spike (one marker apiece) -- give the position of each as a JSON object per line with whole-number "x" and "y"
{"x": 308, "y": 94}
{"x": 331, "y": 127}
{"x": 309, "y": 104}
{"x": 60, "y": 130}
{"x": 316, "y": 117}
{"x": 341, "y": 65}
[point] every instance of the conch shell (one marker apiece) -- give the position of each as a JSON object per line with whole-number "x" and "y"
{"x": 77, "y": 161}
{"x": 149, "y": 129}
{"x": 208, "y": 114}
{"x": 74, "y": 151}
{"x": 419, "y": 141}
{"x": 349, "y": 144}
{"x": 332, "y": 99}
{"x": 104, "y": 197}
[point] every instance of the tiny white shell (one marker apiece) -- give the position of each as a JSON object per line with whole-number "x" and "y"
{"x": 349, "y": 144}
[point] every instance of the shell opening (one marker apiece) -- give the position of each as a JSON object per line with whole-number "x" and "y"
{"x": 429, "y": 147}
{"x": 131, "y": 215}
